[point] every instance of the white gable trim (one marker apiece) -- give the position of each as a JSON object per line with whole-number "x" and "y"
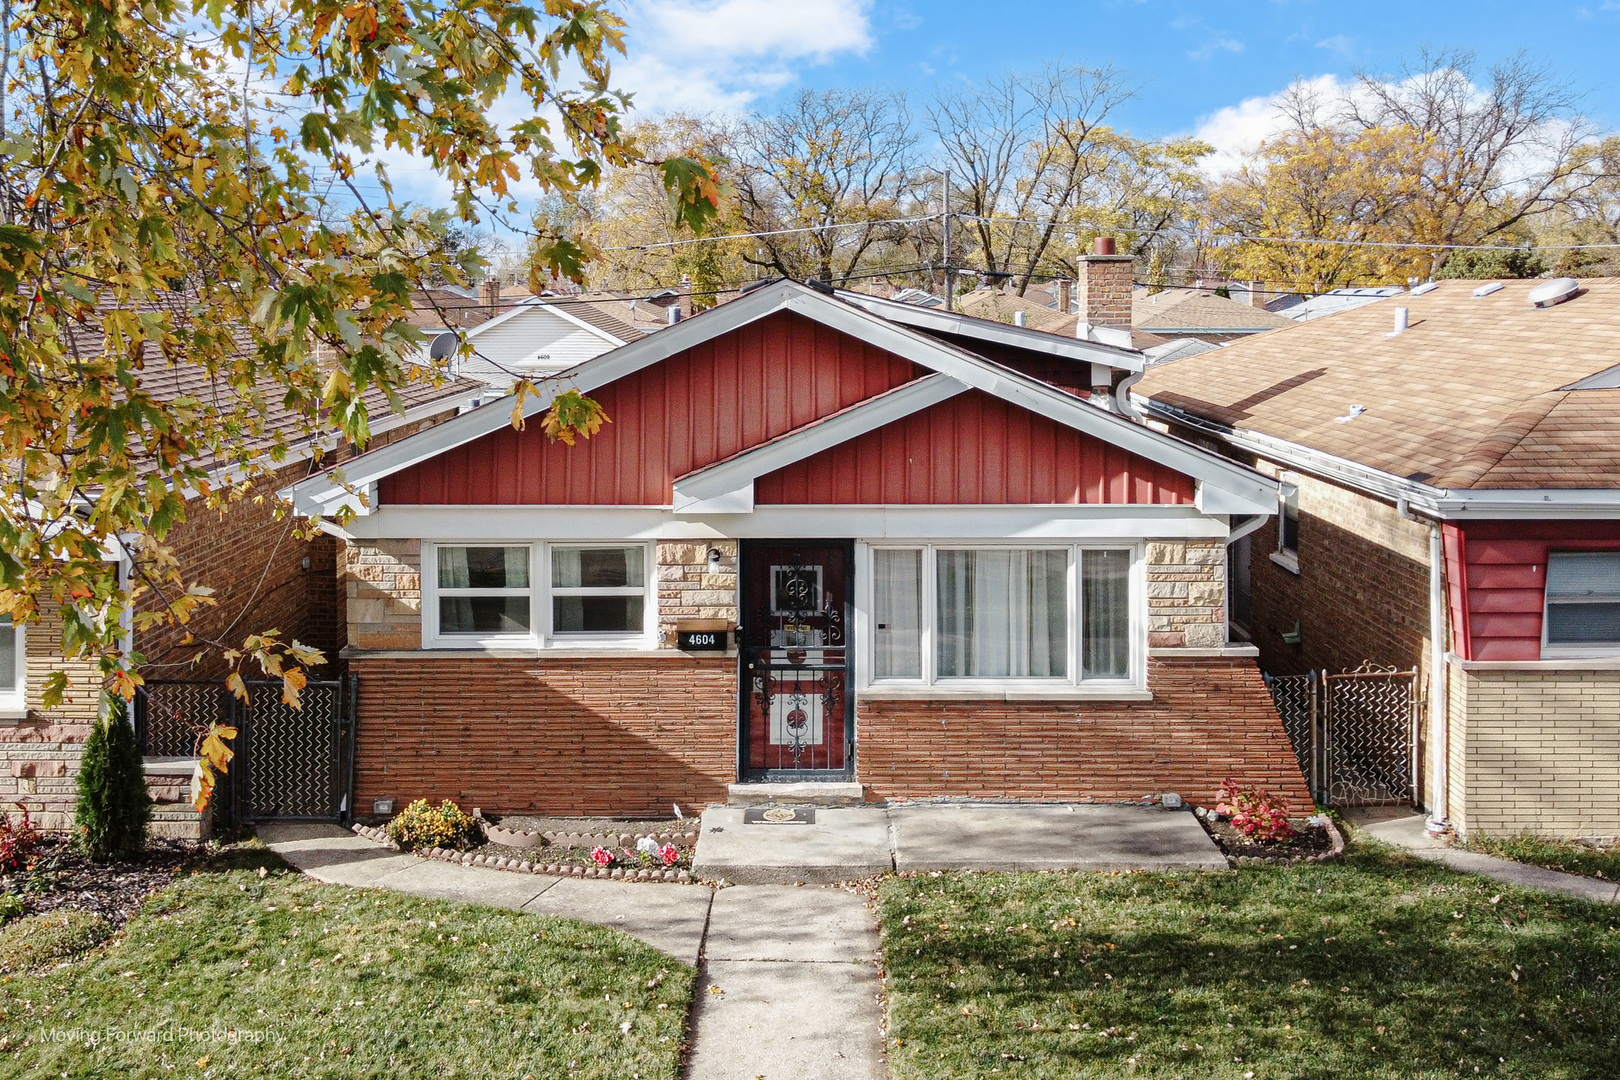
{"x": 540, "y": 305}
{"x": 1248, "y": 490}
{"x": 727, "y": 487}
{"x": 1018, "y": 337}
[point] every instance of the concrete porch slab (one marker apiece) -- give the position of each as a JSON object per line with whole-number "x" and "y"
{"x": 803, "y": 793}
{"x": 844, "y": 844}
{"x": 1067, "y": 837}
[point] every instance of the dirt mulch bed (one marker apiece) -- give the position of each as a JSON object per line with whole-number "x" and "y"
{"x": 59, "y": 878}
{"x": 1312, "y": 844}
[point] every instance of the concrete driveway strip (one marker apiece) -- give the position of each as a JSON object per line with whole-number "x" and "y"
{"x": 790, "y": 988}
{"x": 1067, "y": 837}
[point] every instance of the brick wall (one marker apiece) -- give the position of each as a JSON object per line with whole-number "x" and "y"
{"x": 611, "y": 735}
{"x": 1186, "y": 594}
{"x": 39, "y": 754}
{"x": 1540, "y": 754}
{"x": 1210, "y": 718}
{"x": 686, "y": 589}
{"x": 382, "y": 588}
{"x": 1362, "y": 591}
{"x": 1105, "y": 290}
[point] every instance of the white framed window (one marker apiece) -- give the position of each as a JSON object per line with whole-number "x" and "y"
{"x": 500, "y": 594}
{"x": 13, "y": 669}
{"x": 1287, "y": 553}
{"x": 1582, "y": 616}
{"x": 980, "y": 617}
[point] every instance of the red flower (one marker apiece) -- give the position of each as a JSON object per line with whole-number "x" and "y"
{"x": 601, "y": 856}
{"x": 669, "y": 854}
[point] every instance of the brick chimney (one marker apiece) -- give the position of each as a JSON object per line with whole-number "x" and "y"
{"x": 1257, "y": 294}
{"x": 1105, "y": 287}
{"x": 1065, "y": 295}
{"x": 489, "y": 294}
{"x": 686, "y": 297}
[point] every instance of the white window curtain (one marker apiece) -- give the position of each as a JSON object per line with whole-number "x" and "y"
{"x": 1105, "y": 614}
{"x": 484, "y": 590}
{"x": 1002, "y": 614}
{"x": 897, "y": 616}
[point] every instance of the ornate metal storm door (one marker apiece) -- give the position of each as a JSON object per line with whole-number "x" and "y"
{"x": 798, "y": 715}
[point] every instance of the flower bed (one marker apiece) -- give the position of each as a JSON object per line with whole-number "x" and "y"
{"x": 1249, "y": 826}
{"x": 620, "y": 862}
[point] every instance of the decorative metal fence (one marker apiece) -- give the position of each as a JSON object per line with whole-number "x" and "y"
{"x": 290, "y": 764}
{"x": 1354, "y": 732}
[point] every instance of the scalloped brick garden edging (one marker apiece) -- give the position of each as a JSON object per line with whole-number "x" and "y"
{"x": 523, "y": 841}
{"x": 524, "y": 866}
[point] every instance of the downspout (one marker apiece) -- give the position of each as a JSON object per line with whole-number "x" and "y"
{"x": 1125, "y": 406}
{"x": 1439, "y": 718}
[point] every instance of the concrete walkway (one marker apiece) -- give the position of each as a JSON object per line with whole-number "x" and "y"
{"x": 1401, "y": 828}
{"x": 788, "y": 978}
{"x": 845, "y": 844}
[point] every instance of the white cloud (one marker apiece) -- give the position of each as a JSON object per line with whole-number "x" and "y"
{"x": 1340, "y": 44}
{"x": 1238, "y": 130}
{"x": 706, "y": 55}
{"x": 1218, "y": 43}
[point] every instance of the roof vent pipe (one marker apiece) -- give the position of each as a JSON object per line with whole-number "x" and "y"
{"x": 1400, "y": 323}
{"x": 1553, "y": 292}
{"x": 674, "y": 311}
{"x": 1018, "y": 318}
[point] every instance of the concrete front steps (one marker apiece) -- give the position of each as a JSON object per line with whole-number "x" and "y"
{"x": 798, "y": 793}
{"x": 168, "y": 782}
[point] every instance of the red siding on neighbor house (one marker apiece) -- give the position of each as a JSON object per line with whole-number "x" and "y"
{"x": 680, "y": 414}
{"x": 1501, "y": 569}
{"x": 974, "y": 449}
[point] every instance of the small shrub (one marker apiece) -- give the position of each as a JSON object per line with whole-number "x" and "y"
{"x": 10, "y": 907}
{"x": 39, "y": 939}
{"x": 18, "y": 841}
{"x": 421, "y": 824}
{"x": 1255, "y": 812}
{"x": 113, "y": 809}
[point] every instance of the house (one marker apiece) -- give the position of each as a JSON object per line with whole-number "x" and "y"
{"x": 537, "y": 337}
{"x": 1453, "y": 505}
{"x": 825, "y": 536}
{"x": 1201, "y": 314}
{"x": 263, "y": 575}
{"x": 1301, "y": 307}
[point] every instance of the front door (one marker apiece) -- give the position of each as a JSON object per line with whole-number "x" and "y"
{"x": 797, "y": 712}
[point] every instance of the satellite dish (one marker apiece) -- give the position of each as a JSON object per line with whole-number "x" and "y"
{"x": 445, "y": 345}
{"x": 1553, "y": 292}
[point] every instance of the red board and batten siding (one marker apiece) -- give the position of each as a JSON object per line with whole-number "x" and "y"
{"x": 1497, "y": 574}
{"x": 690, "y": 410}
{"x": 974, "y": 449}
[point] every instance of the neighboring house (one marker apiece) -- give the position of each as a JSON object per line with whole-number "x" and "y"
{"x": 1457, "y": 510}
{"x": 538, "y": 337}
{"x": 263, "y": 577}
{"x": 1303, "y": 308}
{"x": 825, "y": 537}
{"x": 1035, "y": 310}
{"x": 1202, "y": 314}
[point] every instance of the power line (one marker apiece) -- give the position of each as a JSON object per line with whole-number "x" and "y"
{"x": 773, "y": 232}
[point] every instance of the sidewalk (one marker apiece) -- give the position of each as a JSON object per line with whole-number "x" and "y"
{"x": 788, "y": 978}
{"x": 1401, "y": 828}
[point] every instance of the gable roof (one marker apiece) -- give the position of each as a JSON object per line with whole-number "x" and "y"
{"x": 1477, "y": 393}
{"x": 1224, "y": 486}
{"x": 1039, "y": 314}
{"x": 1201, "y": 312}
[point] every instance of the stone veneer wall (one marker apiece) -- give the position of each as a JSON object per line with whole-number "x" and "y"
{"x": 1186, "y": 589}
{"x": 39, "y": 753}
{"x": 1210, "y": 718}
{"x": 686, "y": 589}
{"x": 1540, "y": 753}
{"x": 382, "y": 582}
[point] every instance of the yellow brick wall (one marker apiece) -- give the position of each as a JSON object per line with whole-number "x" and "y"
{"x": 1541, "y": 753}
{"x": 1186, "y": 587}
{"x": 383, "y": 582}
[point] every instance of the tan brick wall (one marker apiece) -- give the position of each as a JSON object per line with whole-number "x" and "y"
{"x": 619, "y": 735}
{"x": 1541, "y": 753}
{"x": 1105, "y": 290}
{"x": 1186, "y": 594}
{"x": 686, "y": 589}
{"x": 382, "y": 587}
{"x": 1456, "y": 749}
{"x": 1209, "y": 719}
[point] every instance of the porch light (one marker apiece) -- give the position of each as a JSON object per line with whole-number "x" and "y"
{"x": 714, "y": 560}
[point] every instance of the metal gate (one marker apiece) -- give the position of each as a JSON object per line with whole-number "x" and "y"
{"x": 290, "y": 764}
{"x": 1354, "y": 732}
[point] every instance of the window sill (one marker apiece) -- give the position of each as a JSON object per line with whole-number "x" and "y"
{"x": 1288, "y": 560}
{"x": 1065, "y": 693}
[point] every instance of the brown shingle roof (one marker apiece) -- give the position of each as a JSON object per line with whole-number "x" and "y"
{"x": 1470, "y": 394}
{"x": 997, "y": 306}
{"x": 1189, "y": 312}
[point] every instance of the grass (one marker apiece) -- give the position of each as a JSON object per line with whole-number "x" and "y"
{"x": 1568, "y": 855}
{"x": 1379, "y": 966}
{"x": 322, "y": 981}
{"x": 38, "y": 939}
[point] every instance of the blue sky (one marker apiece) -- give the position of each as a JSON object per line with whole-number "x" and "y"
{"x": 1192, "y": 61}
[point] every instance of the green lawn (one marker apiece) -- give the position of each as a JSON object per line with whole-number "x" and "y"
{"x": 1380, "y": 966}
{"x": 1567, "y": 855}
{"x": 323, "y": 981}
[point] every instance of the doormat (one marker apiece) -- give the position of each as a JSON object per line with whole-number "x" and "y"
{"x": 779, "y": 815}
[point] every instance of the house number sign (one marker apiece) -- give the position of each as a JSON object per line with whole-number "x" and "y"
{"x": 700, "y": 640}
